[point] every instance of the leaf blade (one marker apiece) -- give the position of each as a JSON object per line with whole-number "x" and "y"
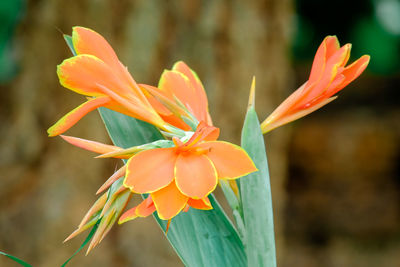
{"x": 17, "y": 260}
{"x": 255, "y": 190}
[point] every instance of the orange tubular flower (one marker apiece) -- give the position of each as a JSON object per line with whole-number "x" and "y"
{"x": 328, "y": 76}
{"x": 97, "y": 73}
{"x": 185, "y": 174}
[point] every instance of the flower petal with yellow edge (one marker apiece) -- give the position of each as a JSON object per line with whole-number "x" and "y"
{"x": 128, "y": 215}
{"x": 150, "y": 170}
{"x": 72, "y": 117}
{"x": 199, "y": 92}
{"x": 230, "y": 161}
{"x": 87, "y": 41}
{"x": 352, "y": 71}
{"x": 195, "y": 175}
{"x": 145, "y": 208}
{"x": 83, "y": 73}
{"x": 169, "y": 201}
{"x": 201, "y": 204}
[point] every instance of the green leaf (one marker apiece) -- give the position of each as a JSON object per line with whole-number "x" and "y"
{"x": 17, "y": 260}
{"x": 255, "y": 191}
{"x": 84, "y": 242}
{"x": 200, "y": 238}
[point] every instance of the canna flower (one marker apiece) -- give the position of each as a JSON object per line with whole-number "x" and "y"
{"x": 97, "y": 73}
{"x": 328, "y": 76}
{"x": 144, "y": 209}
{"x": 177, "y": 176}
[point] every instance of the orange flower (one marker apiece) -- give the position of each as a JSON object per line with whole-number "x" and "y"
{"x": 147, "y": 206}
{"x": 97, "y": 73}
{"x": 177, "y": 176}
{"x": 328, "y": 76}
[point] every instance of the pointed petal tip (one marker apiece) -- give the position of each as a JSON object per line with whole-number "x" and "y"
{"x": 50, "y": 132}
{"x": 176, "y": 64}
{"x": 100, "y": 190}
{"x": 331, "y": 37}
{"x": 366, "y": 58}
{"x": 348, "y": 46}
{"x": 252, "y": 93}
{"x": 72, "y": 235}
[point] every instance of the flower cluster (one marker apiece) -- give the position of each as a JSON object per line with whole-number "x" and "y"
{"x": 181, "y": 171}
{"x": 178, "y": 173}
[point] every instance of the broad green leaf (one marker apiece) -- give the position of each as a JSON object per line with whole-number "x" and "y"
{"x": 200, "y": 238}
{"x": 255, "y": 191}
{"x": 17, "y": 260}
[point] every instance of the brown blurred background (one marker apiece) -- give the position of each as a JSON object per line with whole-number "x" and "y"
{"x": 335, "y": 174}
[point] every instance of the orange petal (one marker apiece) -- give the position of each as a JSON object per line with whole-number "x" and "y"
{"x": 352, "y": 71}
{"x": 201, "y": 96}
{"x": 176, "y": 84}
{"x": 329, "y": 75}
{"x": 72, "y": 117}
{"x": 128, "y": 216}
{"x": 332, "y": 45}
{"x": 83, "y": 74}
{"x": 87, "y": 41}
{"x": 201, "y": 204}
{"x": 230, "y": 161}
{"x": 90, "y": 145}
{"x": 169, "y": 201}
{"x": 145, "y": 208}
{"x": 327, "y": 48}
{"x": 195, "y": 175}
{"x": 177, "y": 122}
{"x": 150, "y": 170}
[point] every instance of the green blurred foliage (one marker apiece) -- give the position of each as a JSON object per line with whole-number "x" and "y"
{"x": 373, "y": 27}
{"x": 10, "y": 13}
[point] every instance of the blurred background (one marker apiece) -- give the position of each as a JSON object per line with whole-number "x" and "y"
{"x": 335, "y": 173}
